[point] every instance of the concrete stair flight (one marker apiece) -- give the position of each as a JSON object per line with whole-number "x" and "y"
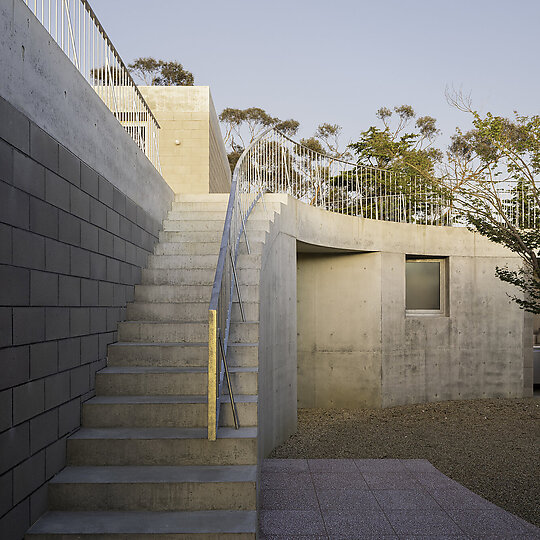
{"x": 141, "y": 465}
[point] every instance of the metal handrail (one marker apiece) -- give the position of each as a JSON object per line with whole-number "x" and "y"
{"x": 77, "y": 31}
{"x": 240, "y": 205}
{"x": 275, "y": 163}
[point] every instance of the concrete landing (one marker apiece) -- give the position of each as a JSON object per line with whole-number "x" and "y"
{"x": 376, "y": 499}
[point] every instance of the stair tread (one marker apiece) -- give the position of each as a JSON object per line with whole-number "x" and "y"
{"x": 153, "y": 369}
{"x": 156, "y": 474}
{"x": 211, "y": 521}
{"x": 99, "y": 400}
{"x": 163, "y": 433}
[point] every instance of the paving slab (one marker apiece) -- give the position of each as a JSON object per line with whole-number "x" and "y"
{"x": 348, "y": 499}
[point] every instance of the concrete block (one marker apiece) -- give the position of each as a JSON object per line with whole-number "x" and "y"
{"x": 98, "y": 320}
{"x": 43, "y": 431}
{"x": 56, "y": 323}
{"x": 28, "y": 476}
{"x": 6, "y": 492}
{"x": 89, "y": 292}
{"x": 28, "y": 249}
{"x": 79, "y": 203}
{"x": 6, "y": 413}
{"x": 113, "y": 269}
{"x": 5, "y": 244}
{"x": 98, "y": 213}
{"x": 105, "y": 339}
{"x": 38, "y": 503}
{"x": 98, "y": 267}
{"x": 43, "y": 148}
{"x": 43, "y": 359}
{"x": 125, "y": 228}
{"x": 89, "y": 236}
{"x": 69, "y": 353}
{"x": 14, "y": 363}
{"x": 14, "y": 206}
{"x": 106, "y": 291}
{"x": 69, "y": 228}
{"x": 80, "y": 262}
{"x": 56, "y": 391}
{"x": 28, "y": 400}
{"x": 89, "y": 180}
{"x": 43, "y": 218}
{"x": 80, "y": 380}
{"x": 119, "y": 251}
{"x": 55, "y": 458}
{"x": 113, "y": 317}
{"x": 28, "y": 175}
{"x": 43, "y": 288}
{"x": 57, "y": 191}
{"x": 105, "y": 192}
{"x": 15, "y": 444}
{"x": 15, "y": 523}
{"x": 6, "y": 162}
{"x": 136, "y": 235}
{"x": 57, "y": 257}
{"x": 69, "y": 291}
{"x": 15, "y": 127}
{"x": 106, "y": 243}
{"x": 6, "y": 327}
{"x": 131, "y": 210}
{"x": 14, "y": 286}
{"x": 119, "y": 294}
{"x": 79, "y": 321}
{"x": 119, "y": 202}
{"x": 69, "y": 166}
{"x": 131, "y": 253}
{"x": 113, "y": 222}
{"x": 28, "y": 325}
{"x": 89, "y": 349}
{"x": 69, "y": 417}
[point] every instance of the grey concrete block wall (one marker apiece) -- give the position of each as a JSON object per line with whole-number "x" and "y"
{"x": 71, "y": 248}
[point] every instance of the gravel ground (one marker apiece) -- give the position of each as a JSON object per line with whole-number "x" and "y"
{"x": 491, "y": 446}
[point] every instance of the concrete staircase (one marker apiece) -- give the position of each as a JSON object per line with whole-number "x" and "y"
{"x": 141, "y": 465}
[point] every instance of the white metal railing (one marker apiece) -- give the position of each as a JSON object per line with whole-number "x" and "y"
{"x": 275, "y": 163}
{"x": 76, "y": 29}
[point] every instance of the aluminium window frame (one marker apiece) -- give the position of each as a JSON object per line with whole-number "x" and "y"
{"x": 443, "y": 288}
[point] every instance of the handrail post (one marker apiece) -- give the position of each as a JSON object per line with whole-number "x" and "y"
{"x": 212, "y": 375}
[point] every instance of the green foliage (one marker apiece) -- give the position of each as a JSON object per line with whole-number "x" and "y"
{"x": 161, "y": 73}
{"x": 496, "y": 165}
{"x": 242, "y": 126}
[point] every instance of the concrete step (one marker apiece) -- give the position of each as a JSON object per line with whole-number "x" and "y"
{"x": 183, "y": 311}
{"x": 202, "y": 248}
{"x": 162, "y": 332}
{"x": 216, "y": 225}
{"x": 187, "y": 293}
{"x": 164, "y": 411}
{"x": 178, "y": 213}
{"x": 177, "y": 354}
{"x": 154, "y": 489}
{"x": 207, "y": 236}
{"x": 202, "y": 197}
{"x": 206, "y": 206}
{"x": 181, "y": 331}
{"x": 158, "y": 354}
{"x": 200, "y": 261}
{"x": 204, "y": 525}
{"x": 162, "y": 446}
{"x": 196, "y": 276}
{"x": 168, "y": 381}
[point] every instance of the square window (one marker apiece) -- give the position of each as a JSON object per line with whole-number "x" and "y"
{"x": 425, "y": 290}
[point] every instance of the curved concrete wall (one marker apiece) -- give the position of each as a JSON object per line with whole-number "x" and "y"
{"x": 357, "y": 347}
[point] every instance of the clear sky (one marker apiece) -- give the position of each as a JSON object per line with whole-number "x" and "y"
{"x": 319, "y": 61}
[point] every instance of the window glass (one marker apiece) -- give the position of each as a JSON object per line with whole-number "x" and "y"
{"x": 423, "y": 285}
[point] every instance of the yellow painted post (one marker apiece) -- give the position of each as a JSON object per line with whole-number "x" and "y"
{"x": 212, "y": 374}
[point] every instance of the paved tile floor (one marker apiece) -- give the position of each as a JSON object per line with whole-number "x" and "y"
{"x": 349, "y": 499}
